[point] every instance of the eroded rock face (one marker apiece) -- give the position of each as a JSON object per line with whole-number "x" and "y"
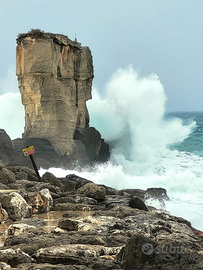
{"x": 55, "y": 78}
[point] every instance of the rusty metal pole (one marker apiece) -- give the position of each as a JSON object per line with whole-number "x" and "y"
{"x": 35, "y": 167}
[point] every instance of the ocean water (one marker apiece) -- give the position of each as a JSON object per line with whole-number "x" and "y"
{"x": 149, "y": 147}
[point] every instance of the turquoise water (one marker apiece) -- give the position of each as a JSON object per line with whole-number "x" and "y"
{"x": 194, "y": 142}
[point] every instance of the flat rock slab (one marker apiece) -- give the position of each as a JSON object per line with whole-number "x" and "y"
{"x": 72, "y": 253}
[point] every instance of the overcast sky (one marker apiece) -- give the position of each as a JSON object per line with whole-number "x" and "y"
{"x": 155, "y": 36}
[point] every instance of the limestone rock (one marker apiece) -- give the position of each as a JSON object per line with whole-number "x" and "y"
{"x": 5, "y": 266}
{"x": 6, "y": 148}
{"x": 6, "y": 176}
{"x": 93, "y": 191}
{"x": 14, "y": 257}
{"x": 16, "y": 229}
{"x": 3, "y": 215}
{"x": 17, "y": 207}
{"x": 55, "y": 80}
{"x": 68, "y": 224}
{"x": 35, "y": 201}
{"x": 70, "y": 254}
{"x": 53, "y": 180}
{"x": 23, "y": 173}
{"x": 47, "y": 199}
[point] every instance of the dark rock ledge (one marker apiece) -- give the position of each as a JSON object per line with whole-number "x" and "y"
{"x": 95, "y": 226}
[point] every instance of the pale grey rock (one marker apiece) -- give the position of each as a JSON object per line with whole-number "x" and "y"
{"x": 47, "y": 199}
{"x": 17, "y": 207}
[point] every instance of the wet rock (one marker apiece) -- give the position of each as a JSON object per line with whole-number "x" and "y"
{"x": 47, "y": 200}
{"x": 6, "y": 176}
{"x": 17, "y": 207}
{"x": 136, "y": 202}
{"x": 93, "y": 191}
{"x": 158, "y": 194}
{"x": 50, "y": 178}
{"x": 33, "y": 221}
{"x": 134, "y": 192}
{"x": 34, "y": 199}
{"x": 68, "y": 224}
{"x": 97, "y": 149}
{"x": 14, "y": 257}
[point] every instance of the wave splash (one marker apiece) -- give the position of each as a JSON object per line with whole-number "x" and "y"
{"x": 131, "y": 118}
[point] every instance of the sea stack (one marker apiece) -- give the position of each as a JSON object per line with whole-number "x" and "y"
{"x": 55, "y": 80}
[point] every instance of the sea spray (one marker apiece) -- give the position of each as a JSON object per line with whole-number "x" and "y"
{"x": 131, "y": 117}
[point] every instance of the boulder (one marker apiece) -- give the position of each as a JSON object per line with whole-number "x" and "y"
{"x": 76, "y": 199}
{"x": 68, "y": 224}
{"x": 6, "y": 176}
{"x": 23, "y": 173}
{"x": 50, "y": 178}
{"x": 79, "y": 181}
{"x": 136, "y": 202}
{"x": 34, "y": 199}
{"x": 17, "y": 207}
{"x": 3, "y": 215}
{"x": 93, "y": 191}
{"x": 97, "y": 149}
{"x": 47, "y": 199}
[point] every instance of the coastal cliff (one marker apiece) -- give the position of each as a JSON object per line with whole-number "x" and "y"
{"x": 55, "y": 80}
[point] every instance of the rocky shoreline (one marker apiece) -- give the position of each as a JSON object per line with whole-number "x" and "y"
{"x": 95, "y": 226}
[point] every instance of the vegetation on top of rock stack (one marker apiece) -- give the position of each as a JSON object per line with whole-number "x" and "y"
{"x": 35, "y": 33}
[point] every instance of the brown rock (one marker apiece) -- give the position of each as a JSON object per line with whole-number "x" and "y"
{"x": 55, "y": 78}
{"x": 35, "y": 201}
{"x": 93, "y": 191}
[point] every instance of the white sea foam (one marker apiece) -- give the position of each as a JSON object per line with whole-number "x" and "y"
{"x": 131, "y": 118}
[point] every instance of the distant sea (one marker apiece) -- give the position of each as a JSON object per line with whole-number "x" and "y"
{"x": 178, "y": 167}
